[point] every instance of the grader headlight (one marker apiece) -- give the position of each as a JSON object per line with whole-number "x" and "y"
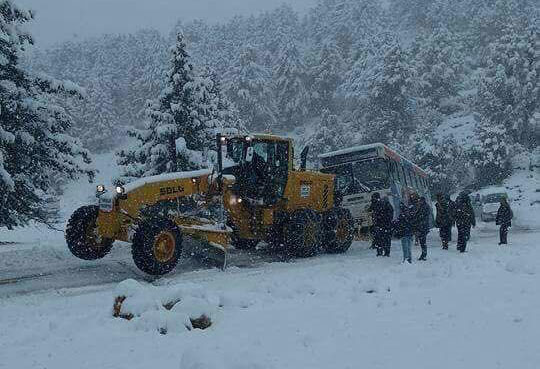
{"x": 120, "y": 190}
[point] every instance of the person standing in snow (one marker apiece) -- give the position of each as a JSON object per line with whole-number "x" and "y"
{"x": 504, "y": 219}
{"x": 375, "y": 220}
{"x": 413, "y": 204}
{"x": 403, "y": 229}
{"x": 421, "y": 217}
{"x": 444, "y": 219}
{"x": 452, "y": 211}
{"x": 387, "y": 218}
{"x": 465, "y": 219}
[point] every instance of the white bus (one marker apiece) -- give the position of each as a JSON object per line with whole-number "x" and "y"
{"x": 362, "y": 170}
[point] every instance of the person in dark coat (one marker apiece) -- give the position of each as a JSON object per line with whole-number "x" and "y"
{"x": 452, "y": 211}
{"x": 387, "y": 218}
{"x": 403, "y": 229}
{"x": 374, "y": 210}
{"x": 465, "y": 219}
{"x": 421, "y": 224}
{"x": 504, "y": 219}
{"x": 413, "y": 208}
{"x": 444, "y": 219}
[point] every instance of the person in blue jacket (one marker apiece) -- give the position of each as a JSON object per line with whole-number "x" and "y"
{"x": 403, "y": 228}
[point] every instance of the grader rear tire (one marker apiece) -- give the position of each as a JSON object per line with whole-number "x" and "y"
{"x": 81, "y": 236}
{"x": 339, "y": 231}
{"x": 156, "y": 246}
{"x": 302, "y": 234}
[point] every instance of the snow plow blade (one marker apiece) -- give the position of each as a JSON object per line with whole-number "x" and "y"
{"x": 208, "y": 243}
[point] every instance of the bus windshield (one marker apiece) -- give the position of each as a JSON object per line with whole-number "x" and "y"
{"x": 372, "y": 174}
{"x": 361, "y": 177}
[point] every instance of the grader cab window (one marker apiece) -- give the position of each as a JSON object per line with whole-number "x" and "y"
{"x": 269, "y": 170}
{"x": 260, "y": 166}
{"x": 235, "y": 152}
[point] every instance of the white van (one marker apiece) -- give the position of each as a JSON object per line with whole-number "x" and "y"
{"x": 490, "y": 205}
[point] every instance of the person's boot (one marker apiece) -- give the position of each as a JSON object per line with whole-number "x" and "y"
{"x": 379, "y": 251}
{"x": 445, "y": 245}
{"x": 423, "y": 257}
{"x": 409, "y": 260}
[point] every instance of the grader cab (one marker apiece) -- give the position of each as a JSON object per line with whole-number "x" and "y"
{"x": 269, "y": 200}
{"x": 253, "y": 194}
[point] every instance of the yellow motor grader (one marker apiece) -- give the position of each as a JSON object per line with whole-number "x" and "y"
{"x": 254, "y": 194}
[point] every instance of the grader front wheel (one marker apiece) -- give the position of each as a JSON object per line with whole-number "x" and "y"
{"x": 156, "y": 246}
{"x": 339, "y": 231}
{"x": 302, "y": 234}
{"x": 81, "y": 235}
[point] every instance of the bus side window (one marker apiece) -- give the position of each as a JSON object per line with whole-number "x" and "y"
{"x": 397, "y": 172}
{"x": 410, "y": 182}
{"x": 393, "y": 174}
{"x": 402, "y": 175}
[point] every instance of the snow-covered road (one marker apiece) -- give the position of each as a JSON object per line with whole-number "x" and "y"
{"x": 478, "y": 310}
{"x": 28, "y": 269}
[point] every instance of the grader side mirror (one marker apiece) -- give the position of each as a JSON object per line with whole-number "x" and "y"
{"x": 303, "y": 158}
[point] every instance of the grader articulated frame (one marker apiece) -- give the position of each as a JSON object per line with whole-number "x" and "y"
{"x": 254, "y": 194}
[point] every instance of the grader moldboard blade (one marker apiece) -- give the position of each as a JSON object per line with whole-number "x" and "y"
{"x": 208, "y": 241}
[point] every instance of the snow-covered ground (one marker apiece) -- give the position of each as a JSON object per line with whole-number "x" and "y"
{"x": 477, "y": 310}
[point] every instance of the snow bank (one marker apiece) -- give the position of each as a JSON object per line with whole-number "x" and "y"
{"x": 170, "y": 310}
{"x": 333, "y": 311}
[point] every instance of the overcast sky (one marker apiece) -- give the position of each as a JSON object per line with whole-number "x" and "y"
{"x": 58, "y": 20}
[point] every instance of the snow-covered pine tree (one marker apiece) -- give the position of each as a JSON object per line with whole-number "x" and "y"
{"x": 96, "y": 122}
{"x": 292, "y": 95}
{"x": 509, "y": 86}
{"x": 389, "y": 108}
{"x": 226, "y": 112}
{"x": 325, "y": 74}
{"x": 35, "y": 149}
{"x": 248, "y": 85}
{"x": 167, "y": 120}
{"x": 181, "y": 126}
{"x": 329, "y": 134}
{"x": 439, "y": 63}
{"x": 491, "y": 157}
{"x": 507, "y": 98}
{"x": 445, "y": 161}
